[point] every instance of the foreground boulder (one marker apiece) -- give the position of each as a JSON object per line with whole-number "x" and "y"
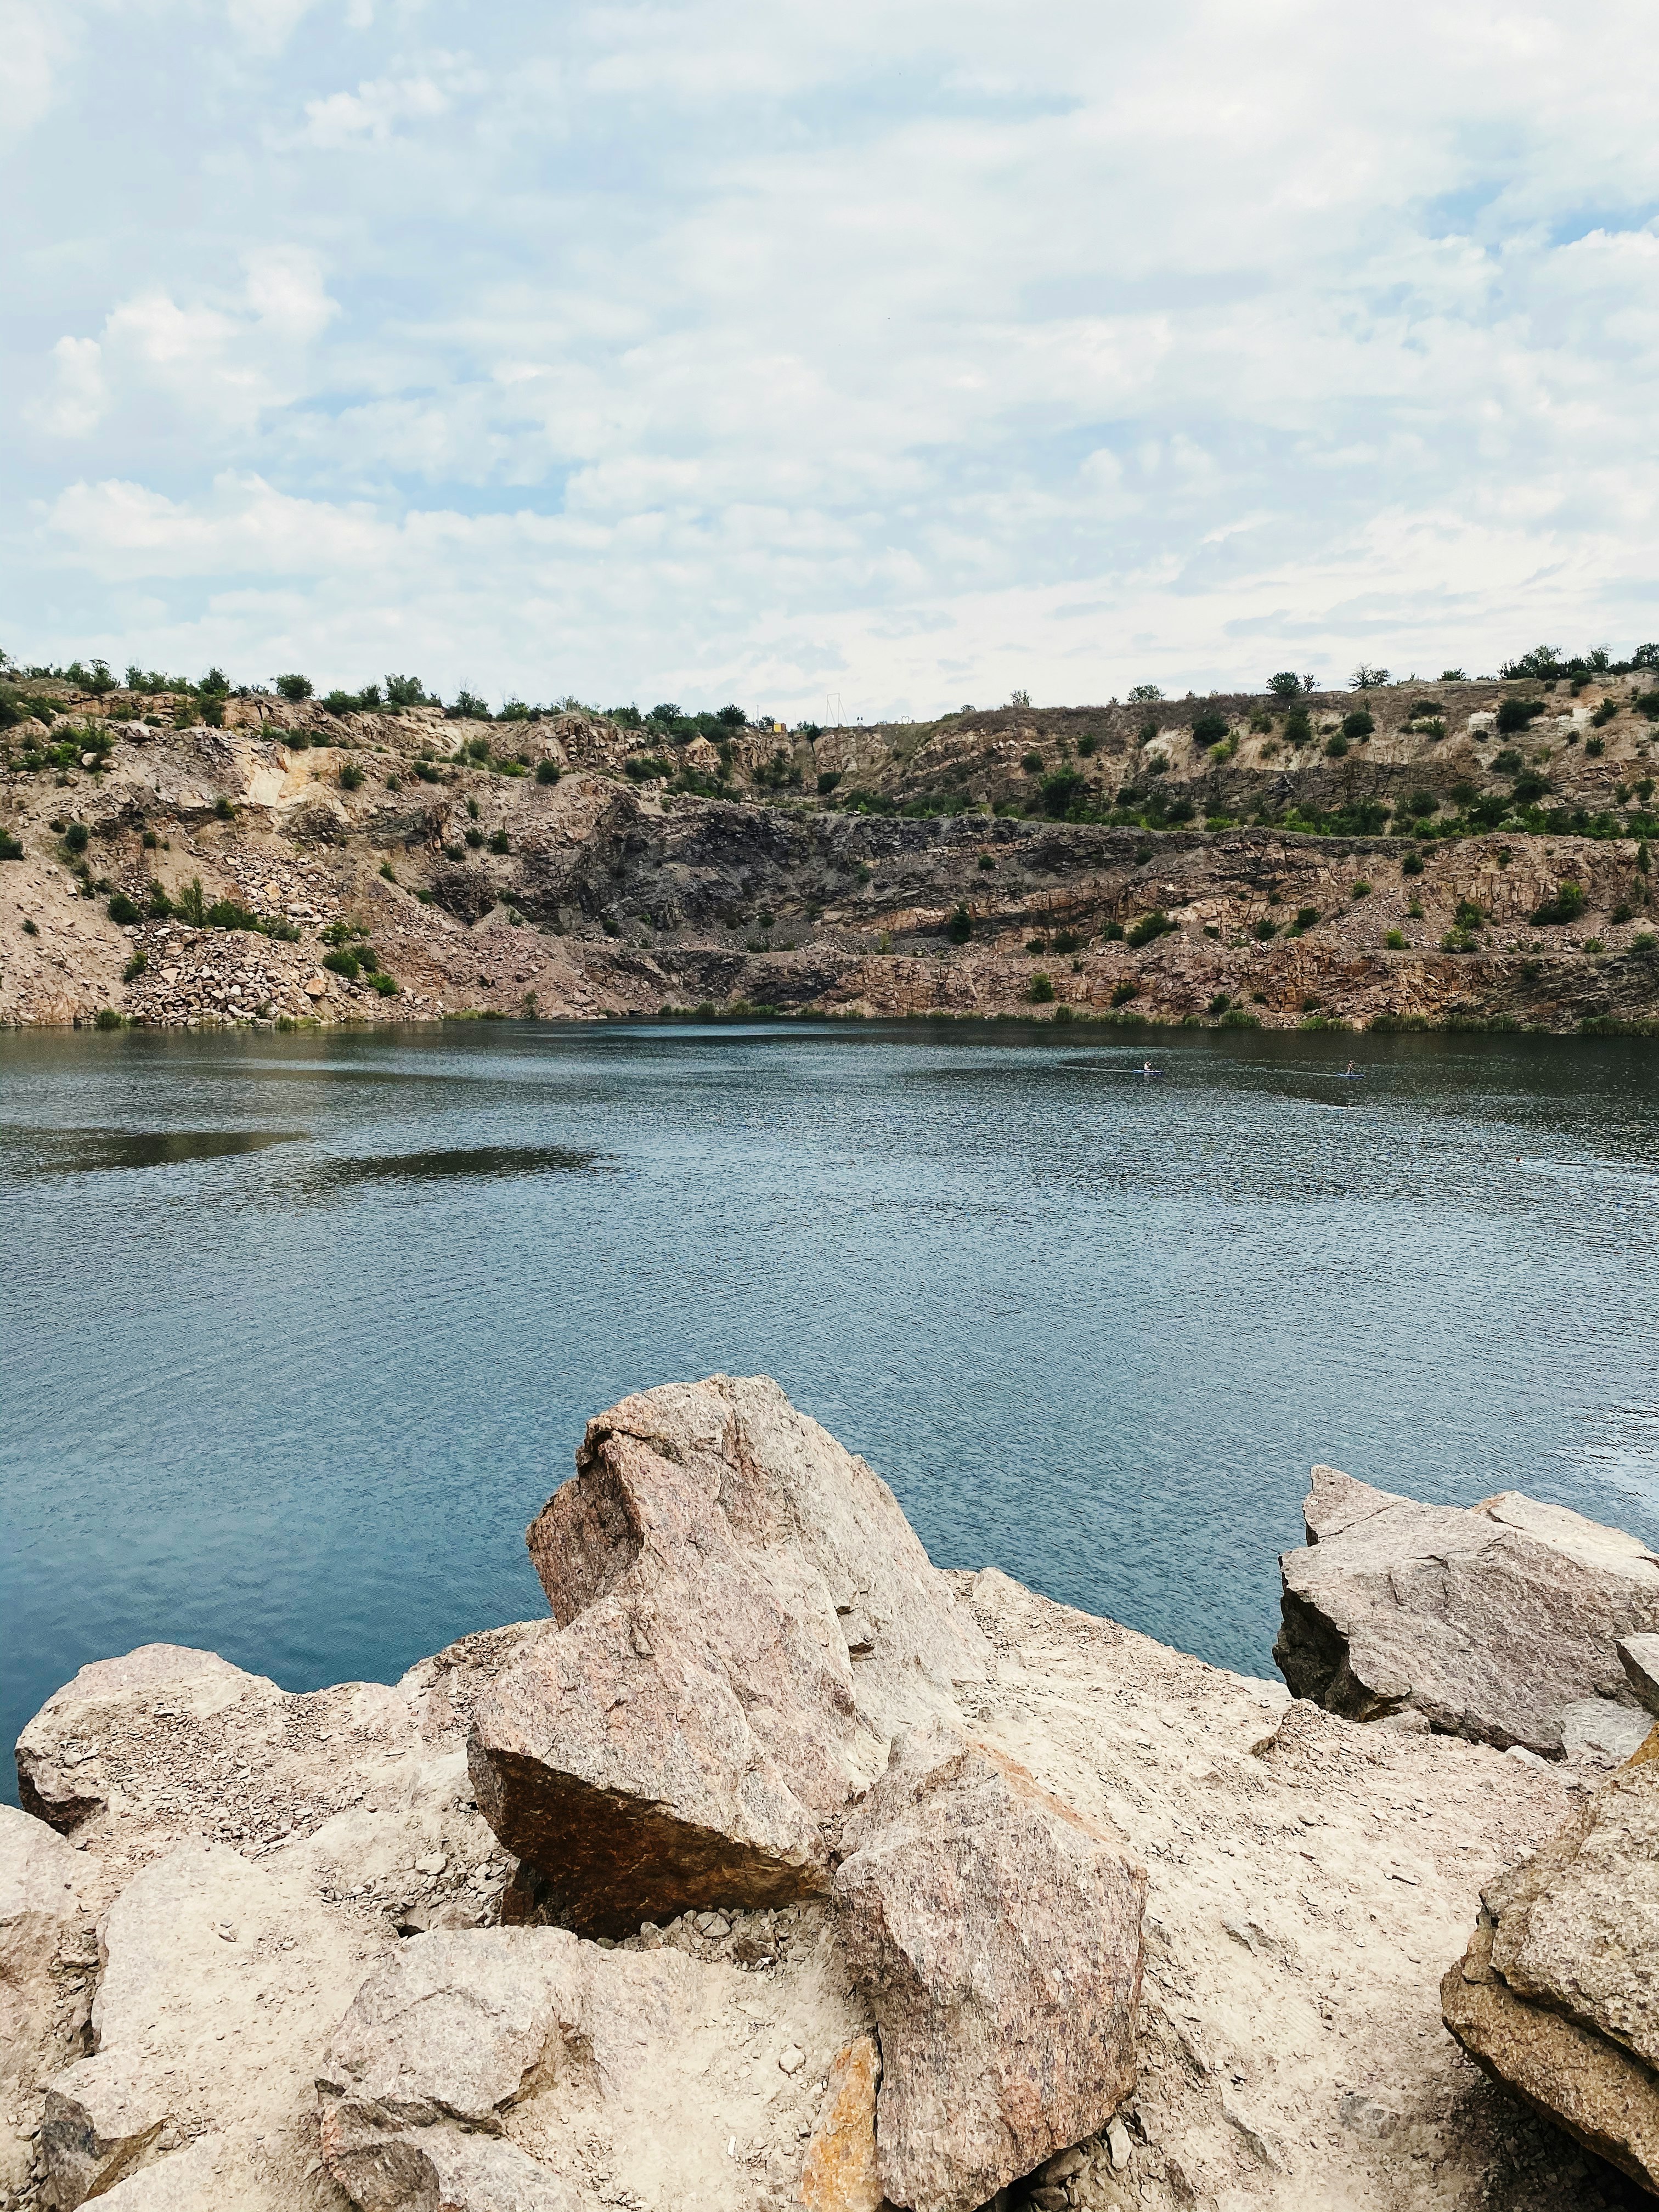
{"x": 996, "y": 1937}
{"x": 743, "y": 1620}
{"x": 1558, "y": 1994}
{"x": 1500, "y": 1623}
{"x": 520, "y": 2069}
{"x": 48, "y": 1950}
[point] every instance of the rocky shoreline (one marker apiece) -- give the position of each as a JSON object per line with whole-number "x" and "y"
{"x": 776, "y": 1867}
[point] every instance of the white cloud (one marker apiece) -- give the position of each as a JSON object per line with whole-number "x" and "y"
{"x": 723, "y": 347}
{"x": 78, "y": 399}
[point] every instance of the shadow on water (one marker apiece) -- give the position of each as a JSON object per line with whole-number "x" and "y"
{"x": 94, "y": 1151}
{"x": 476, "y": 1160}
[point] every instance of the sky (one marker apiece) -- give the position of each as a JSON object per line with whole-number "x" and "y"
{"x": 860, "y": 361}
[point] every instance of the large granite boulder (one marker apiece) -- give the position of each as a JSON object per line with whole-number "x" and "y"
{"x": 996, "y": 1937}
{"x": 743, "y": 1620}
{"x": 1558, "y": 1994}
{"x": 1500, "y": 1623}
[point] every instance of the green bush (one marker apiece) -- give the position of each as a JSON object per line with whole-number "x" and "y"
{"x": 351, "y": 777}
{"x": 223, "y": 809}
{"x": 75, "y": 836}
{"x": 383, "y": 984}
{"x": 1061, "y": 791}
{"x": 1412, "y": 865}
{"x": 1219, "y": 1004}
{"x": 1032, "y": 764}
{"x": 1086, "y": 742}
{"x": 344, "y": 963}
{"x": 1359, "y": 889}
{"x": 108, "y": 1018}
{"x": 1336, "y": 747}
{"x": 828, "y": 779}
{"x": 136, "y": 966}
{"x": 124, "y": 910}
{"x": 1150, "y": 925}
{"x": 1066, "y": 941}
{"x": 1530, "y": 786}
{"x": 1470, "y": 915}
{"x": 500, "y": 841}
{"x": 1395, "y": 941}
{"x": 1359, "y": 724}
{"x": 1112, "y": 933}
{"x": 294, "y": 687}
{"x": 1237, "y": 1017}
{"x": 1264, "y": 928}
{"x": 1306, "y": 916}
{"x": 1516, "y": 714}
{"x": 1605, "y": 713}
{"x": 11, "y": 849}
{"x": 1284, "y": 685}
{"x": 1124, "y": 993}
{"x": 960, "y": 928}
{"x": 647, "y": 768}
{"x": 1569, "y": 902}
{"x": 1419, "y": 804}
{"x": 1041, "y": 989}
{"x": 1595, "y": 747}
{"x": 1643, "y": 941}
{"x": 1209, "y": 728}
{"x": 547, "y": 771}
{"x": 427, "y": 773}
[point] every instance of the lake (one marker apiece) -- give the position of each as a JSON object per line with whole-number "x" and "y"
{"x": 299, "y": 1331}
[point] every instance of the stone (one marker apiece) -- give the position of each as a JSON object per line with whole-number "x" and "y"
{"x": 482, "y": 2066}
{"x": 1639, "y": 1657}
{"x": 840, "y": 2173}
{"x": 1557, "y": 1993}
{"x": 1119, "y": 2146}
{"x": 43, "y": 1924}
{"x": 187, "y": 2024}
{"x": 679, "y": 1736}
{"x": 1490, "y": 1622}
{"x": 995, "y": 1934}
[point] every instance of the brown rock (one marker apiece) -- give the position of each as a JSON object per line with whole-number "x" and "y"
{"x": 41, "y": 1920}
{"x": 995, "y": 1934}
{"x": 1558, "y": 1994}
{"x": 701, "y": 1706}
{"x": 840, "y": 2173}
{"x": 1500, "y": 1623}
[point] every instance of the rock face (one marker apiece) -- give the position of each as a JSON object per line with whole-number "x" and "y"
{"x": 1558, "y": 1994}
{"x": 1501, "y": 1623}
{"x": 520, "y": 2069}
{"x": 744, "y": 1620}
{"x": 996, "y": 1935}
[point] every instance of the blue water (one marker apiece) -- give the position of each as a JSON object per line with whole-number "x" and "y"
{"x": 299, "y": 1331}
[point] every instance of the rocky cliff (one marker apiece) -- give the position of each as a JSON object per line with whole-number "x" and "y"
{"x": 776, "y": 1867}
{"x": 296, "y": 866}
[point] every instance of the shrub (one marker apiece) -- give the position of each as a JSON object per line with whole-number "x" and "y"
{"x": 124, "y": 910}
{"x": 1569, "y": 902}
{"x": 1124, "y": 992}
{"x": 960, "y": 928}
{"x": 1219, "y": 1004}
{"x": 1419, "y": 804}
{"x": 11, "y": 849}
{"x": 1306, "y": 916}
{"x": 344, "y": 962}
{"x": 1470, "y": 915}
{"x": 427, "y": 773}
{"x": 1031, "y": 762}
{"x": 1266, "y": 928}
{"x": 547, "y": 771}
{"x": 75, "y": 836}
{"x": 383, "y": 984}
{"x": 1515, "y": 715}
{"x": 29, "y": 928}
{"x": 1594, "y": 747}
{"x": 1395, "y": 940}
{"x": 1594, "y": 944}
{"x": 223, "y": 809}
{"x": 1236, "y": 1018}
{"x": 1359, "y": 724}
{"x": 1086, "y": 742}
{"x": 1041, "y": 989}
{"x": 1067, "y": 941}
{"x": 351, "y": 777}
{"x": 388, "y": 872}
{"x": 294, "y": 687}
{"x": 1150, "y": 925}
{"x": 1530, "y": 786}
{"x": 1643, "y": 941}
{"x": 475, "y": 838}
{"x": 1605, "y": 713}
{"x": 1359, "y": 889}
{"x": 1286, "y": 685}
{"x": 1037, "y": 945}
{"x": 1060, "y": 791}
{"x": 136, "y": 966}
{"x": 108, "y": 1018}
{"x": 500, "y": 842}
{"x": 409, "y": 691}
{"x": 647, "y": 768}
{"x": 1298, "y": 726}
{"x": 1209, "y": 728}
{"x": 1336, "y": 747}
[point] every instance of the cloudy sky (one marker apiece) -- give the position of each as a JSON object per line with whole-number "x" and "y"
{"x": 892, "y": 354}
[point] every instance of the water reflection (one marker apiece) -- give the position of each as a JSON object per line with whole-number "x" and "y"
{"x": 437, "y": 1166}
{"x": 93, "y": 1152}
